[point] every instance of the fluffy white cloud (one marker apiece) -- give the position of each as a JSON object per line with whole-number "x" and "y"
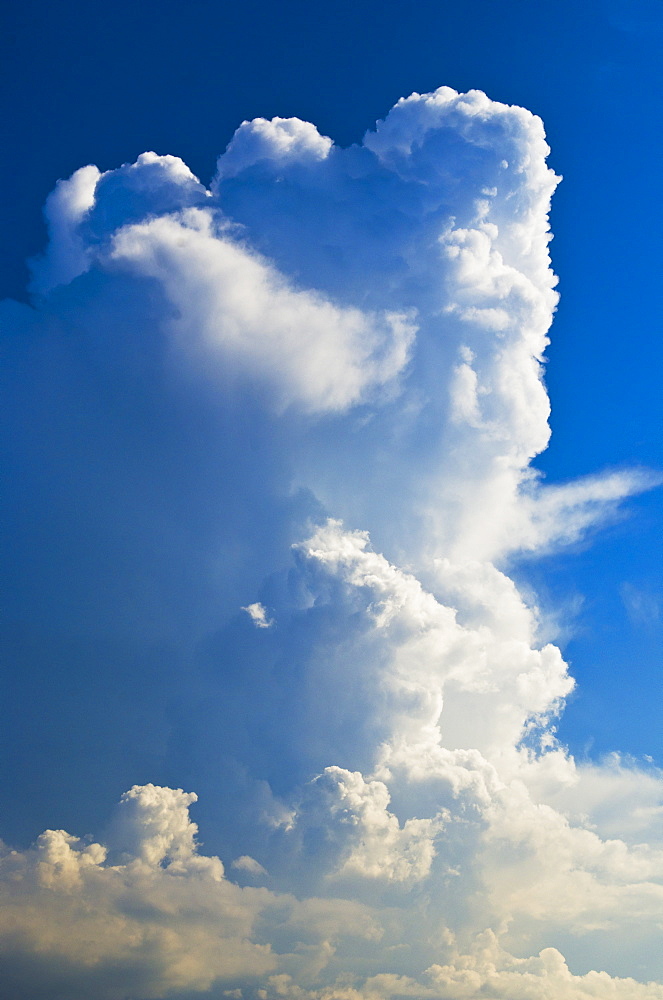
{"x": 398, "y": 285}
{"x": 327, "y": 337}
{"x": 370, "y": 841}
{"x": 272, "y": 143}
{"x": 159, "y": 920}
{"x": 237, "y": 312}
{"x": 490, "y": 971}
{"x": 469, "y": 687}
{"x": 258, "y": 615}
{"x": 68, "y": 255}
{"x": 246, "y": 863}
{"x": 81, "y": 210}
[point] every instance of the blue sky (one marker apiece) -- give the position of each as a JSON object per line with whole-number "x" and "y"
{"x": 284, "y": 570}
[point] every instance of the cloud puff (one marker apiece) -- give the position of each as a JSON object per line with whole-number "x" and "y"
{"x": 258, "y": 615}
{"x": 245, "y": 863}
{"x": 436, "y": 676}
{"x": 160, "y": 921}
{"x": 281, "y": 141}
{"x": 370, "y": 842}
{"x": 248, "y": 315}
{"x": 315, "y": 387}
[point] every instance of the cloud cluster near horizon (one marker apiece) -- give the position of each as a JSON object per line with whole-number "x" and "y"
{"x": 295, "y": 415}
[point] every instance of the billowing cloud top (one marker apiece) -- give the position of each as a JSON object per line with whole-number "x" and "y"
{"x": 288, "y": 421}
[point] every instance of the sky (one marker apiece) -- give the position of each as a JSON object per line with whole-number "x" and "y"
{"x": 332, "y": 561}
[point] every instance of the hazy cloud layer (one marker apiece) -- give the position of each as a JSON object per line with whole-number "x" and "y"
{"x": 283, "y": 426}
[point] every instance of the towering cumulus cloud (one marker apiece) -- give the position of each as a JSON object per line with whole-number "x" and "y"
{"x": 272, "y": 443}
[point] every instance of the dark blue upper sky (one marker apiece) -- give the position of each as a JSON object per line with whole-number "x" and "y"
{"x": 90, "y": 83}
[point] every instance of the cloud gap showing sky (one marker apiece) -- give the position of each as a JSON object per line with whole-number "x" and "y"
{"x": 285, "y": 426}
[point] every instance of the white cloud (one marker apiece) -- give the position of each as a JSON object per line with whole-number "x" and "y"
{"x": 371, "y": 842}
{"x": 235, "y": 311}
{"x": 152, "y": 824}
{"x": 258, "y": 615}
{"x": 492, "y": 971}
{"x": 277, "y": 142}
{"x": 469, "y": 687}
{"x": 329, "y": 337}
{"x": 642, "y": 606}
{"x": 157, "y": 922}
{"x": 161, "y": 920}
{"x": 67, "y": 256}
{"x": 81, "y": 209}
{"x": 245, "y": 863}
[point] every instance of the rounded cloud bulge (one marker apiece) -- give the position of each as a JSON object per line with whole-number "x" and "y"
{"x": 154, "y": 219}
{"x": 281, "y": 141}
{"x": 271, "y": 442}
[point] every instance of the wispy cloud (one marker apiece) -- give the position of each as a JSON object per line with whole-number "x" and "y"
{"x": 643, "y": 607}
